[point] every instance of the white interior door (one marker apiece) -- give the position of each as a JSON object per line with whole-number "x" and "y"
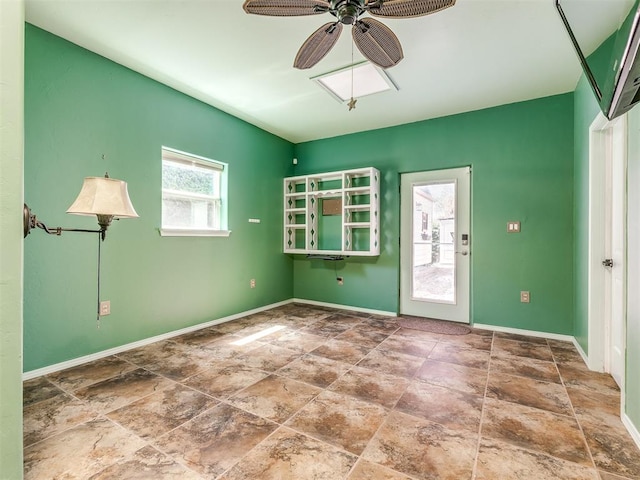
{"x": 435, "y": 244}
{"x": 615, "y": 234}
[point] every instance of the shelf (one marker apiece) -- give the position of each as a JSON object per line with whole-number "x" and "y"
{"x": 358, "y": 224}
{"x": 326, "y": 193}
{"x": 358, "y": 190}
{"x": 357, "y": 208}
{"x": 352, "y": 230}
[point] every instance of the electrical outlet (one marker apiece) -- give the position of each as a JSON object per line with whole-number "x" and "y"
{"x": 525, "y": 297}
{"x": 105, "y": 308}
{"x": 340, "y": 280}
{"x": 252, "y": 283}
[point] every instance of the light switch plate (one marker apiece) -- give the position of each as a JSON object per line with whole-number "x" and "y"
{"x": 513, "y": 227}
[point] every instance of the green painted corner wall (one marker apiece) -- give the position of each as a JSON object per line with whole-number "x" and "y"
{"x": 522, "y": 160}
{"x": 80, "y": 106}
{"x": 585, "y": 111}
{"x": 632, "y": 375}
{"x": 11, "y": 174}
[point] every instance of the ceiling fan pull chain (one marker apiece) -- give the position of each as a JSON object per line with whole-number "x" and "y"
{"x": 352, "y": 102}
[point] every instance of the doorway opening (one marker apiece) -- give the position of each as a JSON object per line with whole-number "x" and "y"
{"x": 607, "y": 246}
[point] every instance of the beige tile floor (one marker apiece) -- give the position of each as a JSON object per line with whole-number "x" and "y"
{"x": 329, "y": 395}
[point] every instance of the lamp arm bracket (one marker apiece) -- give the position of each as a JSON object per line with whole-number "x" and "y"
{"x": 79, "y": 230}
{"x": 30, "y": 221}
{"x": 58, "y": 230}
{"x": 50, "y": 231}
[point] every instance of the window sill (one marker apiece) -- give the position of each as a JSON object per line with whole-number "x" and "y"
{"x": 187, "y": 232}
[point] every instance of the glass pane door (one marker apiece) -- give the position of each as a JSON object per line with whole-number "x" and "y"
{"x": 435, "y": 244}
{"x": 433, "y": 258}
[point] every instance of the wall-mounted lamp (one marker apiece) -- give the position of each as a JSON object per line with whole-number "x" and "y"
{"x": 106, "y": 198}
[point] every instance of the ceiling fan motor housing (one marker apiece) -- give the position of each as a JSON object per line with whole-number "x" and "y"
{"x": 347, "y": 11}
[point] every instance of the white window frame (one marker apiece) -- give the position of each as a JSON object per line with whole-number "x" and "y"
{"x": 176, "y": 156}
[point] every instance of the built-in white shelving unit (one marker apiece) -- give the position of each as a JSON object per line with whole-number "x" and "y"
{"x": 353, "y": 230}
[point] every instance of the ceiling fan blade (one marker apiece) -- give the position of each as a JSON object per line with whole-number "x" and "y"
{"x": 318, "y": 45}
{"x": 407, "y": 8}
{"x": 286, "y": 8}
{"x": 377, "y": 42}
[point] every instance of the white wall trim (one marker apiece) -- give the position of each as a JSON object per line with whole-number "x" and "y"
{"x": 141, "y": 343}
{"x": 345, "y": 307}
{"x": 530, "y": 333}
{"x": 596, "y": 244}
{"x": 631, "y": 428}
{"x": 582, "y": 353}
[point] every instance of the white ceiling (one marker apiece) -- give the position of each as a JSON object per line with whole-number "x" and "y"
{"x": 476, "y": 54}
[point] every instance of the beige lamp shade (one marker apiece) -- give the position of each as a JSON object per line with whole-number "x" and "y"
{"x": 103, "y": 196}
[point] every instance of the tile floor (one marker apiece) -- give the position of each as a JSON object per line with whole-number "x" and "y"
{"x": 301, "y": 392}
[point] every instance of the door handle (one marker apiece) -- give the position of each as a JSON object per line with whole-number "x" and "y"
{"x": 607, "y": 262}
{"x": 464, "y": 252}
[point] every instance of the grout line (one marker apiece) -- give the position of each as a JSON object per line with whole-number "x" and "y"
{"x": 573, "y": 412}
{"x": 474, "y": 471}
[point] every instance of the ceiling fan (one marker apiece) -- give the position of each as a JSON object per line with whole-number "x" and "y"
{"x": 374, "y": 39}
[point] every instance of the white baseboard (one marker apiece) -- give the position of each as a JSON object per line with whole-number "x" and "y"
{"x": 585, "y": 357}
{"x": 631, "y": 428}
{"x": 345, "y": 307}
{"x": 141, "y": 343}
{"x": 529, "y": 333}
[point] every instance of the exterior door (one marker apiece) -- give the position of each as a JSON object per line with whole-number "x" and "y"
{"x": 435, "y": 244}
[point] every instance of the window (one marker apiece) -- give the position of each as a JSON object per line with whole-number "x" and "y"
{"x": 193, "y": 195}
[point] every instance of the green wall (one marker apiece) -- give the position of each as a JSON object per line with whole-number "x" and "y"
{"x": 11, "y": 171}
{"x": 80, "y": 106}
{"x": 522, "y": 160}
{"x": 632, "y": 376}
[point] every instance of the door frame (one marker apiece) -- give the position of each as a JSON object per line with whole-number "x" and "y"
{"x": 599, "y": 320}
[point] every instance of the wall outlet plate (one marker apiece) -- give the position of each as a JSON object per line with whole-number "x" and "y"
{"x": 525, "y": 297}
{"x": 105, "y": 308}
{"x": 340, "y": 280}
{"x": 252, "y": 283}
